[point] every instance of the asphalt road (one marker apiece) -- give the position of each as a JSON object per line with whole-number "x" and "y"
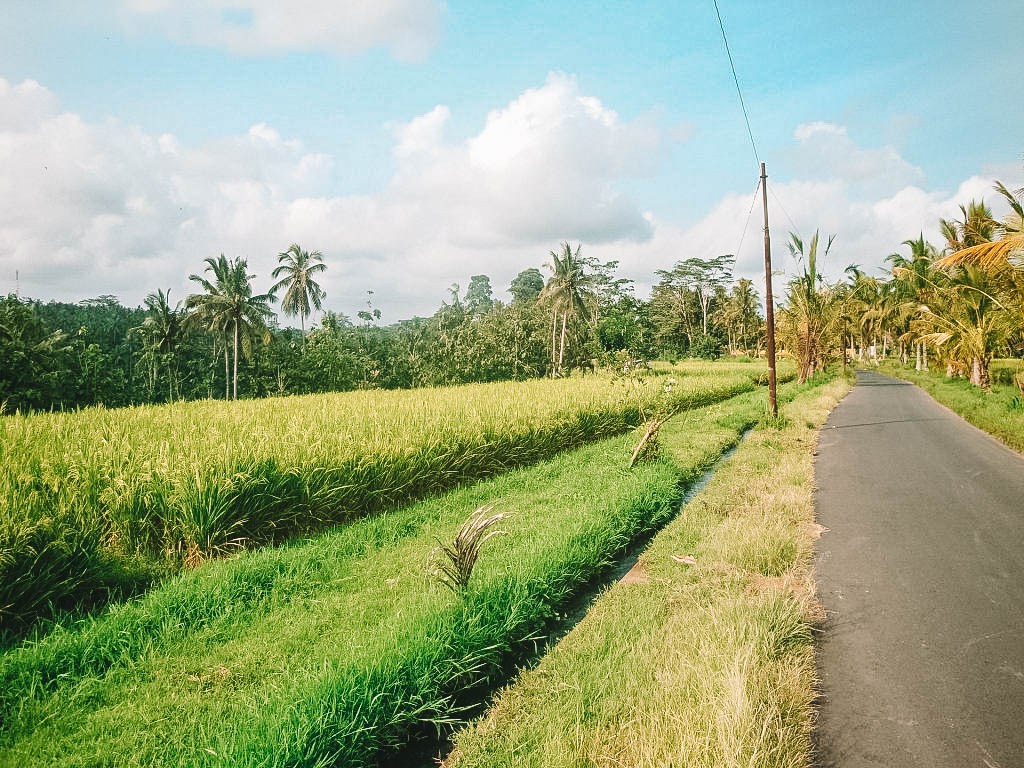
{"x": 921, "y": 573}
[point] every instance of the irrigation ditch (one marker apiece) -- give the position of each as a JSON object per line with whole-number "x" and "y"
{"x": 431, "y": 746}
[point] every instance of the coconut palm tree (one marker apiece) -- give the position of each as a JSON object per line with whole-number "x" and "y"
{"x": 812, "y": 315}
{"x": 976, "y": 227}
{"x": 161, "y": 331}
{"x": 303, "y": 294}
{"x": 968, "y": 318}
{"x": 912, "y": 286}
{"x": 568, "y": 290}
{"x": 229, "y": 308}
{"x": 739, "y": 313}
{"x": 1005, "y": 244}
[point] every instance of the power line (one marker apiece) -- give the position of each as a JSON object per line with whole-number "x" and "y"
{"x": 736, "y": 80}
{"x": 790, "y": 220}
{"x": 753, "y": 202}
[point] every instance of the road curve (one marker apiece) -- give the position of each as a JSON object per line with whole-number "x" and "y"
{"x": 921, "y": 573}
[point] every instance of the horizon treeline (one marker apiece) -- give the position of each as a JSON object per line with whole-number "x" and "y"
{"x": 223, "y": 341}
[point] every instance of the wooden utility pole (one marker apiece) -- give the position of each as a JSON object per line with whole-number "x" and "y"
{"x": 769, "y": 305}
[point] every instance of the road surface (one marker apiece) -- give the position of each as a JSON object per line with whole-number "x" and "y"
{"x": 921, "y": 573}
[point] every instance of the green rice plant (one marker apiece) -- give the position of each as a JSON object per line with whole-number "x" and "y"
{"x": 177, "y": 484}
{"x": 339, "y": 650}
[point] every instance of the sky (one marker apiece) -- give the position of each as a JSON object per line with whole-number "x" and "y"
{"x": 416, "y": 143}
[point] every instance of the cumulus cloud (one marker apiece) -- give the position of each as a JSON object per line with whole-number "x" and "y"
{"x": 104, "y": 207}
{"x": 408, "y": 28}
{"x": 826, "y": 151}
{"x": 543, "y": 167}
{"x": 868, "y": 228}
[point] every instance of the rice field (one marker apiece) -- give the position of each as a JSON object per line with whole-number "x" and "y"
{"x": 101, "y": 501}
{"x": 342, "y": 649}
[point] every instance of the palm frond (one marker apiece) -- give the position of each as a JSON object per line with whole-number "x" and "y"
{"x": 987, "y": 256}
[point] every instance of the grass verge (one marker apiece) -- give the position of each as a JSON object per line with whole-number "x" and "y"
{"x": 706, "y": 664}
{"x": 339, "y": 650}
{"x": 999, "y": 412}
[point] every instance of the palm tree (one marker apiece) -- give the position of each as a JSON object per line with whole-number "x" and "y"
{"x": 739, "y": 313}
{"x": 966, "y": 317}
{"x": 161, "y": 332}
{"x": 912, "y": 287}
{"x": 1005, "y": 244}
{"x": 297, "y": 266}
{"x": 860, "y": 302}
{"x": 812, "y": 315}
{"x": 976, "y": 227}
{"x": 569, "y": 290}
{"x": 229, "y": 308}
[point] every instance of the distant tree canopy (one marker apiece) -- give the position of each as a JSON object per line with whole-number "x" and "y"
{"x": 225, "y": 340}
{"x": 527, "y": 285}
{"x": 478, "y": 294}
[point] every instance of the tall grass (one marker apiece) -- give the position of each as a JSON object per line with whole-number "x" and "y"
{"x": 83, "y": 495}
{"x": 340, "y": 649}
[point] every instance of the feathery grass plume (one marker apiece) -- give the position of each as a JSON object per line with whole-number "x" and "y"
{"x": 456, "y": 566}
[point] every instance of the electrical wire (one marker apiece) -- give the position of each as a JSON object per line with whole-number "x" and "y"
{"x": 736, "y": 80}
{"x": 753, "y": 202}
{"x": 790, "y": 220}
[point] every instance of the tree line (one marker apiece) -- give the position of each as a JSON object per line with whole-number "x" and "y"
{"x": 226, "y": 340}
{"x": 956, "y": 306}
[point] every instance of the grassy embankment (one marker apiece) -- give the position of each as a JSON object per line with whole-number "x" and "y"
{"x": 105, "y": 499}
{"x": 341, "y": 649}
{"x": 999, "y": 412}
{"x": 698, "y": 665}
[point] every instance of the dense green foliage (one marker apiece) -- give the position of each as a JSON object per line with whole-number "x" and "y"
{"x": 956, "y": 307}
{"x": 340, "y": 649}
{"x": 225, "y": 339}
{"x": 172, "y": 485}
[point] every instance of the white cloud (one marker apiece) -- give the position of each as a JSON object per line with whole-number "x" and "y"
{"x": 408, "y": 28}
{"x": 825, "y": 151}
{"x": 90, "y": 208}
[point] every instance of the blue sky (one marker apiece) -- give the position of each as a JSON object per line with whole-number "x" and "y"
{"x": 871, "y": 121}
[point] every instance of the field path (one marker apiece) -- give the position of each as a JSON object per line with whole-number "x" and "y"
{"x": 921, "y": 573}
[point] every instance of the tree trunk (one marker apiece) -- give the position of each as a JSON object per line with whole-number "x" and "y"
{"x": 554, "y": 330}
{"x": 917, "y": 352}
{"x": 227, "y": 373}
{"x": 949, "y": 370}
{"x": 561, "y": 348}
{"x": 234, "y": 390}
{"x": 979, "y": 374}
{"x": 302, "y": 325}
{"x": 924, "y": 355}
